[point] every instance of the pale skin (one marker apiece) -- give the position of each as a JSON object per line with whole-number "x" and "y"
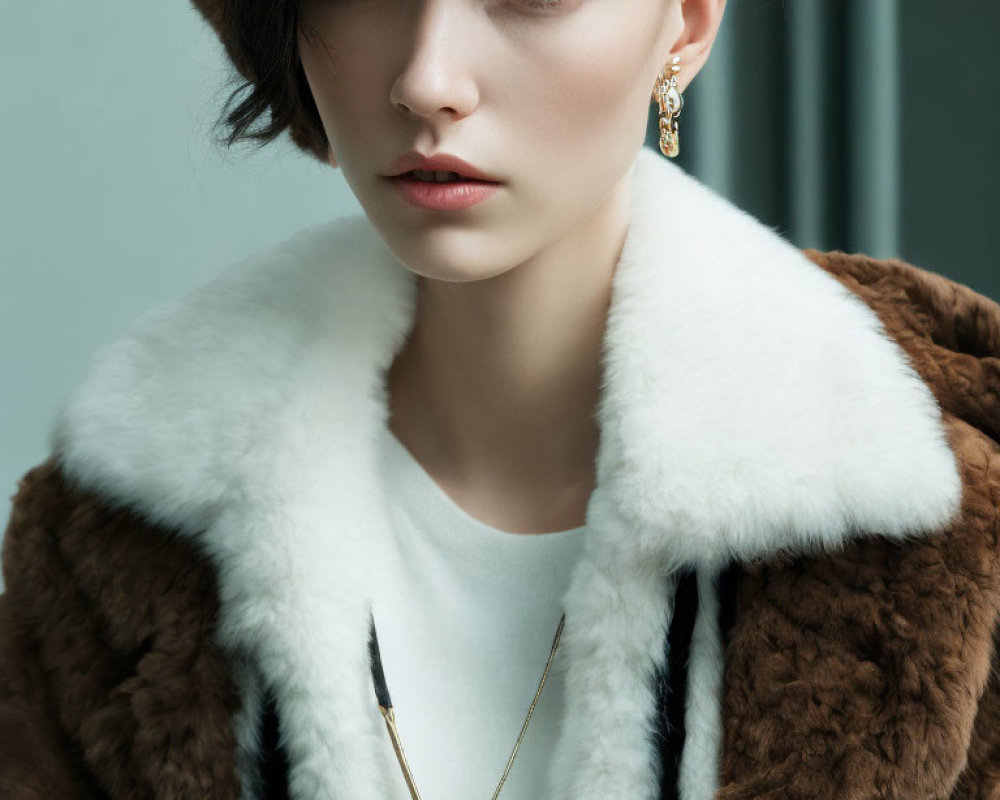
{"x": 495, "y": 391}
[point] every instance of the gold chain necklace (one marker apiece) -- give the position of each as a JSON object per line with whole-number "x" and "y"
{"x": 385, "y": 706}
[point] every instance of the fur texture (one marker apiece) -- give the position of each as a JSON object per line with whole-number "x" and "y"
{"x": 206, "y": 523}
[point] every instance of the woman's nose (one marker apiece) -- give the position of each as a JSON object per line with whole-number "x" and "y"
{"x": 439, "y": 73}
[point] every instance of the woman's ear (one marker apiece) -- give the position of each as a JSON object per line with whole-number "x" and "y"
{"x": 701, "y": 25}
{"x": 331, "y": 158}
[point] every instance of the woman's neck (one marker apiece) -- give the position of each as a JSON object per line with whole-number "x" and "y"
{"x": 495, "y": 390}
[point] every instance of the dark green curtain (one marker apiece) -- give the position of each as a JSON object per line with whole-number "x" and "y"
{"x": 859, "y": 125}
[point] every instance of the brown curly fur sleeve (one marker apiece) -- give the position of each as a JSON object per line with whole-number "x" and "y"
{"x": 111, "y": 684}
{"x": 37, "y": 761}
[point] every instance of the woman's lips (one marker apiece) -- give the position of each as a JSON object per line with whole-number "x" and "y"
{"x": 450, "y": 196}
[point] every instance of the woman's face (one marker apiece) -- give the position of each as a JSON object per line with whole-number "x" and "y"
{"x": 550, "y": 97}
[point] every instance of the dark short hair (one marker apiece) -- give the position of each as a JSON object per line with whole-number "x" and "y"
{"x": 261, "y": 40}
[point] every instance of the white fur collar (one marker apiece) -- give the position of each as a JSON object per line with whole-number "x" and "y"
{"x": 752, "y": 405}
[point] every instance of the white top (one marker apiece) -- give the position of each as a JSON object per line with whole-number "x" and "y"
{"x": 466, "y": 615}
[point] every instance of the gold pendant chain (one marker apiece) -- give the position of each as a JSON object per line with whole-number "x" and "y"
{"x": 385, "y": 706}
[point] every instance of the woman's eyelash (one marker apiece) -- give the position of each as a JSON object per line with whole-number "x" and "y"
{"x": 542, "y": 3}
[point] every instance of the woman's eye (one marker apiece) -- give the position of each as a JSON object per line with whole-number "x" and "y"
{"x": 541, "y": 5}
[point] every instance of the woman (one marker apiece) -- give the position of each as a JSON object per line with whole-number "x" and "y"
{"x": 610, "y": 492}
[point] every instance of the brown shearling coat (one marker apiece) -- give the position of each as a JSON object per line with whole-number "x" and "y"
{"x": 866, "y": 669}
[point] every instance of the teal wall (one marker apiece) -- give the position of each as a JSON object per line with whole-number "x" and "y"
{"x": 950, "y": 186}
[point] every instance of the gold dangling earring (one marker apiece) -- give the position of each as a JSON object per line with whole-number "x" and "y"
{"x": 670, "y": 102}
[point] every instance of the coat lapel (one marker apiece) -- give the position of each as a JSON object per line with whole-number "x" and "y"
{"x": 751, "y": 406}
